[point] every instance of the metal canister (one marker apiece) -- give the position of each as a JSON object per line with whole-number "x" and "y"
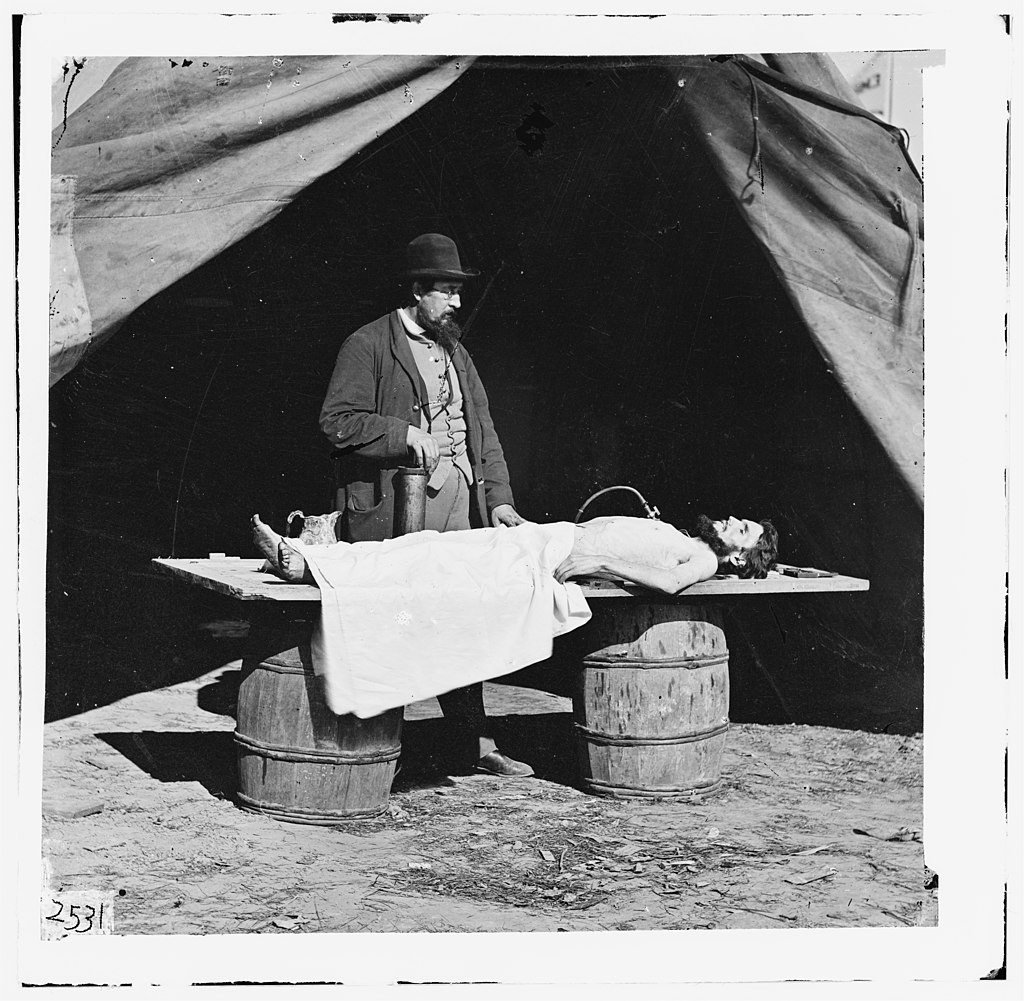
{"x": 410, "y": 499}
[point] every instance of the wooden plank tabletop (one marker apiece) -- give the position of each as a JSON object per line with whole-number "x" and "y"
{"x": 242, "y": 579}
{"x": 237, "y": 578}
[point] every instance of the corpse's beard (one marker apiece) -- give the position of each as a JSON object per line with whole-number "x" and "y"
{"x": 445, "y": 331}
{"x": 706, "y": 532}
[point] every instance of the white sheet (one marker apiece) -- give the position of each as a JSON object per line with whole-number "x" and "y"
{"x": 419, "y": 615}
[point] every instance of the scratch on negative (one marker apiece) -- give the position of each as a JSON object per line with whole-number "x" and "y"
{"x": 191, "y": 438}
{"x": 277, "y": 63}
{"x": 79, "y": 66}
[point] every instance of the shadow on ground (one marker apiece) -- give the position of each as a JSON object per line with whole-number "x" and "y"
{"x": 140, "y": 634}
{"x": 175, "y": 756}
{"x": 429, "y": 754}
{"x": 543, "y": 740}
{"x": 220, "y": 697}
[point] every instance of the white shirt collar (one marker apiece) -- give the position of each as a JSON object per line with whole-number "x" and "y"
{"x": 411, "y": 326}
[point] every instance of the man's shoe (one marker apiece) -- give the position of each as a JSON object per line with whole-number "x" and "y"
{"x": 503, "y": 766}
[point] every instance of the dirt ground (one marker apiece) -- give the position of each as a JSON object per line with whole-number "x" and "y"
{"x": 814, "y": 827}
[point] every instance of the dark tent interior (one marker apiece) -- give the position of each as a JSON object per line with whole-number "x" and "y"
{"x": 627, "y": 327}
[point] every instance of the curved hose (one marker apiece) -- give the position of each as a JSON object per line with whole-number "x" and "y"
{"x": 651, "y": 512}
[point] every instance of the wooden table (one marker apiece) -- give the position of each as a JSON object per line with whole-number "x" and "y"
{"x": 242, "y": 579}
{"x": 651, "y": 696}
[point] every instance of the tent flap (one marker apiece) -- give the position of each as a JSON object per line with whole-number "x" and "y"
{"x": 168, "y": 163}
{"x": 69, "y": 310}
{"x": 830, "y": 197}
{"x": 165, "y": 164}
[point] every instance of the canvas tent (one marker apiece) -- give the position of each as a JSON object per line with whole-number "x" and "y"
{"x": 683, "y": 258}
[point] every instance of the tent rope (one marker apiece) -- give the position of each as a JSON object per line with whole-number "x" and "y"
{"x": 788, "y": 85}
{"x": 755, "y": 156}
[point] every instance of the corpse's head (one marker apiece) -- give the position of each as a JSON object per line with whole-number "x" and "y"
{"x": 744, "y": 547}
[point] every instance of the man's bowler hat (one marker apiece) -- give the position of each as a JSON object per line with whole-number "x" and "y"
{"x": 435, "y": 256}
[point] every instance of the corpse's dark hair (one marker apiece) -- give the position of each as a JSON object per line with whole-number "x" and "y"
{"x": 762, "y": 556}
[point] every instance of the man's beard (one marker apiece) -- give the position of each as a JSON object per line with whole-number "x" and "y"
{"x": 705, "y": 531}
{"x": 446, "y": 331}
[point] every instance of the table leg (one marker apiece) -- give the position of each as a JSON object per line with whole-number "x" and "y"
{"x": 297, "y": 760}
{"x": 651, "y": 699}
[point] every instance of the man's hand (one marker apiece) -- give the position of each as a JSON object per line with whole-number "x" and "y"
{"x": 579, "y": 566}
{"x": 507, "y": 515}
{"x": 427, "y": 451}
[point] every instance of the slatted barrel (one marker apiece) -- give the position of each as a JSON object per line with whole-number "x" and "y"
{"x": 297, "y": 760}
{"x": 651, "y": 700}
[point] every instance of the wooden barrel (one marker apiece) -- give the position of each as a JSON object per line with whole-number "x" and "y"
{"x": 651, "y": 701}
{"x": 297, "y": 760}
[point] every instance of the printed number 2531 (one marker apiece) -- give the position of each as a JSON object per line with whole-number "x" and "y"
{"x": 78, "y": 916}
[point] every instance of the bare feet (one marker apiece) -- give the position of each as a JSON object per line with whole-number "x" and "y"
{"x": 284, "y": 561}
{"x": 292, "y": 565}
{"x": 266, "y": 540}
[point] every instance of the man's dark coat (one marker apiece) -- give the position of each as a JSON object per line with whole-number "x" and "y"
{"x": 375, "y": 393}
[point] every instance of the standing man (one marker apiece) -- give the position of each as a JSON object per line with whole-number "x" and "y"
{"x": 405, "y": 390}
